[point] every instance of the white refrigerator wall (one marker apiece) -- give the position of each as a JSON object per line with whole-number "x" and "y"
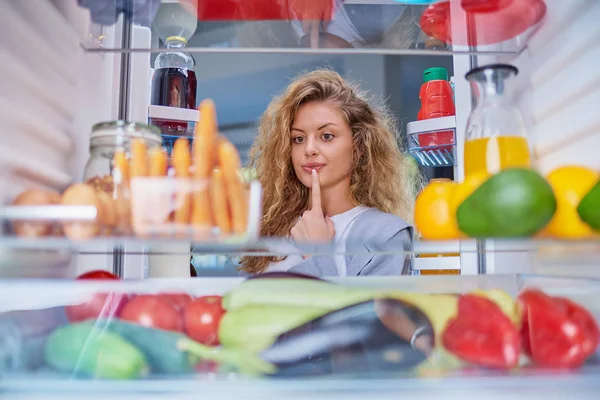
{"x": 51, "y": 92}
{"x": 41, "y": 62}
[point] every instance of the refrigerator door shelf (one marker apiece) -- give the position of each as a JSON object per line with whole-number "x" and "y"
{"x": 173, "y": 114}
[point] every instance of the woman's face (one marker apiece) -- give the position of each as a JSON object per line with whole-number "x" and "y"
{"x": 321, "y": 140}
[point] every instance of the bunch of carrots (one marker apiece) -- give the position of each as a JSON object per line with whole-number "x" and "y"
{"x": 223, "y": 202}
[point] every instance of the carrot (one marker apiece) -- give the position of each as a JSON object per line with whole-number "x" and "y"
{"x": 139, "y": 162}
{"x": 122, "y": 164}
{"x": 229, "y": 160}
{"x": 205, "y": 137}
{"x": 181, "y": 160}
{"x": 158, "y": 162}
{"x": 201, "y": 214}
{"x": 219, "y": 204}
{"x": 205, "y": 140}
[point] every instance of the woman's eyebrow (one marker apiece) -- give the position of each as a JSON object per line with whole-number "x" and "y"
{"x": 319, "y": 128}
{"x": 326, "y": 125}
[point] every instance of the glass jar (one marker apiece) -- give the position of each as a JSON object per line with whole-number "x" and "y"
{"x": 496, "y": 137}
{"x": 108, "y": 137}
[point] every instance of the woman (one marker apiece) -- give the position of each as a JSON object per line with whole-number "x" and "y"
{"x": 332, "y": 172}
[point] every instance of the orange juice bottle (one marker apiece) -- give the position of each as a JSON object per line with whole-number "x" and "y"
{"x": 496, "y": 138}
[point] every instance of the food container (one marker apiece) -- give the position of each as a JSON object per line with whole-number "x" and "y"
{"x": 108, "y": 137}
{"x": 163, "y": 207}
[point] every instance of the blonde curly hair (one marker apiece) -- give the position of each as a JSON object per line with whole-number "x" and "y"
{"x": 381, "y": 177}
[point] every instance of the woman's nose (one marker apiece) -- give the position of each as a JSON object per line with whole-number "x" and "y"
{"x": 311, "y": 148}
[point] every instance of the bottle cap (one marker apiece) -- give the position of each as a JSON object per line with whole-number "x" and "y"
{"x": 435, "y": 74}
{"x": 178, "y": 38}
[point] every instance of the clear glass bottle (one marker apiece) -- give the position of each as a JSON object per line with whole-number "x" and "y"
{"x": 174, "y": 80}
{"x": 174, "y": 83}
{"x": 496, "y": 137}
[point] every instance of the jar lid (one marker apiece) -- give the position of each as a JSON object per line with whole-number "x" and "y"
{"x": 127, "y": 129}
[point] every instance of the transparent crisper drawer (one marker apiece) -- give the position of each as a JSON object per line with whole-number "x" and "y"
{"x": 279, "y": 336}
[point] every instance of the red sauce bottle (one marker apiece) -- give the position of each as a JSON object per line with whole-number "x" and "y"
{"x": 436, "y": 102}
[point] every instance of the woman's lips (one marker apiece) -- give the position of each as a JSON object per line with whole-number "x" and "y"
{"x": 309, "y": 167}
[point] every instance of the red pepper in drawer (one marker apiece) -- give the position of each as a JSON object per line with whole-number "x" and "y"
{"x": 482, "y": 334}
{"x": 557, "y": 332}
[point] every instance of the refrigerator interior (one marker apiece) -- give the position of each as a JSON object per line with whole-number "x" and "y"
{"x": 61, "y": 73}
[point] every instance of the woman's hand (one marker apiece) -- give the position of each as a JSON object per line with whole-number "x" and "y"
{"x": 314, "y": 227}
{"x": 314, "y": 15}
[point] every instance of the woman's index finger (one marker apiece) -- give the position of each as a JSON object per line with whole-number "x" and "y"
{"x": 316, "y": 192}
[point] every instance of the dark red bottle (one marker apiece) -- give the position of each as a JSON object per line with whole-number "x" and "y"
{"x": 174, "y": 83}
{"x": 174, "y": 87}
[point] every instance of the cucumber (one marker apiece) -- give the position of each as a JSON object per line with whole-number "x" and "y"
{"x": 174, "y": 353}
{"x": 295, "y": 292}
{"x": 589, "y": 208}
{"x": 159, "y": 346}
{"x": 516, "y": 202}
{"x": 255, "y": 327}
{"x": 83, "y": 348}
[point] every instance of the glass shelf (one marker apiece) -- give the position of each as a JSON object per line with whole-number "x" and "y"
{"x": 358, "y": 26}
{"x": 542, "y": 385}
{"x": 552, "y": 249}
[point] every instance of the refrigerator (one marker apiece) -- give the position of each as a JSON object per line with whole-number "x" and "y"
{"x": 61, "y": 72}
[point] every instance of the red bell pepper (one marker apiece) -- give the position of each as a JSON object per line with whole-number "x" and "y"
{"x": 557, "y": 332}
{"x": 482, "y": 334}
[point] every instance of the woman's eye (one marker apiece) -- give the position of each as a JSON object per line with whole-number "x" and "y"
{"x": 298, "y": 139}
{"x": 327, "y": 136}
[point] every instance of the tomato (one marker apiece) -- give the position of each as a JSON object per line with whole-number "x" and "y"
{"x": 557, "y": 332}
{"x": 152, "y": 312}
{"x": 202, "y": 317}
{"x": 103, "y": 305}
{"x": 482, "y": 334}
{"x": 179, "y": 300}
{"x": 98, "y": 274}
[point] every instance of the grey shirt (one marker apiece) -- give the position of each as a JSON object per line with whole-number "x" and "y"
{"x": 373, "y": 233}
